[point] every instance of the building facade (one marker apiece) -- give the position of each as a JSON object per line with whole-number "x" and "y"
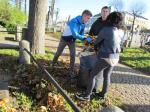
{"x": 140, "y": 22}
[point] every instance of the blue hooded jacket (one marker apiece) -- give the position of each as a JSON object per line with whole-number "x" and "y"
{"x": 77, "y": 29}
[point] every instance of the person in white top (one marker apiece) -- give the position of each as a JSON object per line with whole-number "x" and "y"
{"x": 74, "y": 30}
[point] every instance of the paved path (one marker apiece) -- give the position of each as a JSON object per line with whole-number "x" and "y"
{"x": 133, "y": 87}
{"x": 4, "y": 79}
{"x": 9, "y": 44}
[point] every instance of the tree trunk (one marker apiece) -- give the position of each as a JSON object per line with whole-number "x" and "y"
{"x": 17, "y": 3}
{"x": 132, "y": 30}
{"x": 20, "y": 4}
{"x": 49, "y": 21}
{"x": 57, "y": 12}
{"x": 25, "y": 6}
{"x": 36, "y": 25}
{"x": 52, "y": 11}
{"x": 26, "y": 11}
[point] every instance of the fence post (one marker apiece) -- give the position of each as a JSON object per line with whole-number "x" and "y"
{"x": 24, "y": 33}
{"x": 18, "y": 35}
{"x": 24, "y": 57}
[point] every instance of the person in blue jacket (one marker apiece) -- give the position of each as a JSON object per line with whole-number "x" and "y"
{"x": 74, "y": 30}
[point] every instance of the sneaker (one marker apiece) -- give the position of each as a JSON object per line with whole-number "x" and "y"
{"x": 52, "y": 64}
{"x": 82, "y": 97}
{"x": 100, "y": 95}
{"x": 94, "y": 92}
{"x": 72, "y": 75}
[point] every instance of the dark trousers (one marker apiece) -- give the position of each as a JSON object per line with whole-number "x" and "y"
{"x": 102, "y": 68}
{"x": 61, "y": 46}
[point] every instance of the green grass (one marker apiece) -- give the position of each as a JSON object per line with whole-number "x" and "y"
{"x": 136, "y": 58}
{"x": 79, "y": 43}
{"x": 5, "y": 34}
{"x": 19, "y": 70}
{"x": 95, "y": 103}
{"x": 10, "y": 52}
{"x": 55, "y": 35}
{"x": 22, "y": 99}
{"x": 48, "y": 55}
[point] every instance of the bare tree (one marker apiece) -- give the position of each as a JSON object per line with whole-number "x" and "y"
{"x": 52, "y": 10}
{"x": 137, "y": 9}
{"x": 49, "y": 17}
{"x": 117, "y": 4}
{"x": 25, "y": 6}
{"x": 18, "y": 4}
{"x": 56, "y": 14}
{"x": 68, "y": 19}
{"x": 51, "y": 13}
{"x": 36, "y": 25}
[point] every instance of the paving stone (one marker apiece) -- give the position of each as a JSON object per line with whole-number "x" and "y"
{"x": 4, "y": 93}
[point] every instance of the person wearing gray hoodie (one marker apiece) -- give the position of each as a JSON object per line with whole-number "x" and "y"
{"x": 108, "y": 48}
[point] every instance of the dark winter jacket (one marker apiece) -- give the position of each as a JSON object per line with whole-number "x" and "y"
{"x": 96, "y": 27}
{"x": 108, "y": 42}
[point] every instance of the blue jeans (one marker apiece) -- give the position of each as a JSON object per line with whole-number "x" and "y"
{"x": 102, "y": 68}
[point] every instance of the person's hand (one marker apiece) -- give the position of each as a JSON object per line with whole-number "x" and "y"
{"x": 89, "y": 40}
{"x": 95, "y": 48}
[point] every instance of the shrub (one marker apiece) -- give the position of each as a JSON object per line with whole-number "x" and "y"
{"x": 11, "y": 16}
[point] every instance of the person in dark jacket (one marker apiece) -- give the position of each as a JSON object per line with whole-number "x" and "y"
{"x": 108, "y": 49}
{"x": 74, "y": 30}
{"x": 100, "y": 22}
{"x": 95, "y": 29}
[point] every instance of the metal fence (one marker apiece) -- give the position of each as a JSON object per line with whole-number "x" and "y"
{"x": 16, "y": 31}
{"x": 53, "y": 81}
